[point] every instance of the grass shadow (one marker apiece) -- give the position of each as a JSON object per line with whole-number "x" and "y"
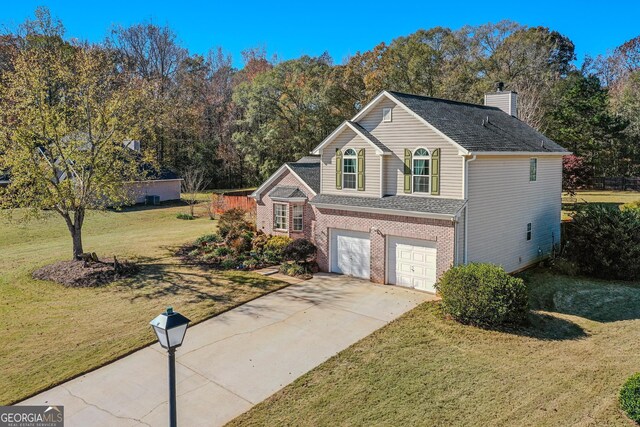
{"x": 546, "y": 327}
{"x": 593, "y": 299}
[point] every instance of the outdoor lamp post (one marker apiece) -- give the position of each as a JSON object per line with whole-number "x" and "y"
{"x": 170, "y": 327}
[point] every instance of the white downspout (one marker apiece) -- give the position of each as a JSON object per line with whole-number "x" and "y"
{"x": 466, "y": 209}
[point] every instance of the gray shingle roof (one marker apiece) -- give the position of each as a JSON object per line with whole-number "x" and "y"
{"x": 287, "y": 192}
{"x": 371, "y": 138}
{"x": 463, "y": 123}
{"x": 434, "y": 205}
{"x": 308, "y": 169}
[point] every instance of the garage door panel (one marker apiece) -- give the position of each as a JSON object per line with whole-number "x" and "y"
{"x": 350, "y": 253}
{"x": 412, "y": 263}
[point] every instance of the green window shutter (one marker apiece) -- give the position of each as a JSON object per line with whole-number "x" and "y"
{"x": 435, "y": 172}
{"x": 338, "y": 169}
{"x": 361, "y": 169}
{"x": 407, "y": 171}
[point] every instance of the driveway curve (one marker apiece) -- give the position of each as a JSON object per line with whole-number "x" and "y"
{"x": 235, "y": 360}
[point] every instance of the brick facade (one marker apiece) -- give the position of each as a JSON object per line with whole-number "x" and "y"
{"x": 380, "y": 227}
{"x": 264, "y": 209}
{"x": 317, "y": 223}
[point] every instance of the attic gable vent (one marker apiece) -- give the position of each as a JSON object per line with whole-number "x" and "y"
{"x": 386, "y": 114}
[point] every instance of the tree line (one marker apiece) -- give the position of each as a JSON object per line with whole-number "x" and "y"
{"x": 238, "y": 125}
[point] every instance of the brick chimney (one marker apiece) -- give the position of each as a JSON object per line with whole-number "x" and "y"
{"x": 507, "y": 101}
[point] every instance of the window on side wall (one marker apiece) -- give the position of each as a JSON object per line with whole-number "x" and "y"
{"x": 280, "y": 216}
{"x": 298, "y": 217}
{"x": 533, "y": 169}
{"x": 349, "y": 169}
{"x": 386, "y": 114}
{"x": 421, "y": 170}
{"x": 529, "y": 231}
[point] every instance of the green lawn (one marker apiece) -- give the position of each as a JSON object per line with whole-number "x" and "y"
{"x": 51, "y": 333}
{"x": 616, "y": 198}
{"x": 565, "y": 369}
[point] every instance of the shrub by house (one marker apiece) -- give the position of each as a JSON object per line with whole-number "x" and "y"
{"x": 483, "y": 294}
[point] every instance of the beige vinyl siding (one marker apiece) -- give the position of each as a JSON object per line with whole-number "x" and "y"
{"x": 502, "y": 201}
{"x": 406, "y": 131}
{"x": 349, "y": 139}
{"x": 506, "y": 101}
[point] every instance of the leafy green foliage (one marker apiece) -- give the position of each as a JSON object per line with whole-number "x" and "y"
{"x": 234, "y": 220}
{"x": 186, "y": 216}
{"x": 300, "y": 251}
{"x": 483, "y": 294}
{"x": 208, "y": 238}
{"x": 276, "y": 244}
{"x": 294, "y": 269}
{"x": 629, "y": 398}
{"x": 604, "y": 241}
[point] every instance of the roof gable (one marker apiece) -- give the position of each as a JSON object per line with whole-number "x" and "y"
{"x": 380, "y": 148}
{"x": 306, "y": 170}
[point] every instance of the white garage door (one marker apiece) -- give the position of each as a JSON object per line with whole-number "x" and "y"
{"x": 412, "y": 263}
{"x": 350, "y": 253}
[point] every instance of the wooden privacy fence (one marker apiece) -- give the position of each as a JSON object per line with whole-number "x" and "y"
{"x": 233, "y": 199}
{"x": 616, "y": 183}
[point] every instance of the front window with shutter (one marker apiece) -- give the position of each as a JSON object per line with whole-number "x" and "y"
{"x": 298, "y": 217}
{"x": 280, "y": 216}
{"x": 349, "y": 169}
{"x": 421, "y": 166}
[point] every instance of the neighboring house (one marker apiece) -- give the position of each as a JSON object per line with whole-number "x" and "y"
{"x": 164, "y": 184}
{"x": 413, "y": 185}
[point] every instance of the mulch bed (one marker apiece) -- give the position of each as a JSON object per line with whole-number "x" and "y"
{"x": 76, "y": 274}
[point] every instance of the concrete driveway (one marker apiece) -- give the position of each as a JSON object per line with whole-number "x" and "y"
{"x": 235, "y": 360}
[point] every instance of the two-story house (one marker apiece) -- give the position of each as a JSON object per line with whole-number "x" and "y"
{"x": 413, "y": 185}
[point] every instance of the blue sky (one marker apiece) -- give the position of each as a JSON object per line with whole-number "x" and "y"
{"x": 339, "y": 27}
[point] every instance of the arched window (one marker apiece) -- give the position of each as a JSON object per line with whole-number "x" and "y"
{"x": 421, "y": 170}
{"x": 349, "y": 169}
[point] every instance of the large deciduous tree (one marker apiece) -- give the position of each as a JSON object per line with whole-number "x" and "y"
{"x": 65, "y": 114}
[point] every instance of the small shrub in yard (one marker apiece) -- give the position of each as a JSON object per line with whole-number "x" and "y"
{"x": 229, "y": 263}
{"x": 221, "y": 251}
{"x": 483, "y": 294}
{"x": 208, "y": 238}
{"x": 293, "y": 269}
{"x": 300, "y": 251}
{"x": 604, "y": 241}
{"x": 630, "y": 397}
{"x": 270, "y": 257}
{"x": 234, "y": 219}
{"x": 276, "y": 244}
{"x": 259, "y": 241}
{"x": 185, "y": 216}
{"x": 251, "y": 263}
{"x": 240, "y": 244}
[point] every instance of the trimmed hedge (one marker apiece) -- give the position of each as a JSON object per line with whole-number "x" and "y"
{"x": 483, "y": 294}
{"x": 629, "y": 398}
{"x": 604, "y": 241}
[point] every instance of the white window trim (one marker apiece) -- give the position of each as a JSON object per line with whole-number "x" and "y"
{"x": 413, "y": 158}
{"x": 355, "y": 157}
{"x": 293, "y": 218}
{"x": 529, "y": 234}
{"x": 286, "y": 217}
{"x": 387, "y": 114}
{"x": 536, "y": 176}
